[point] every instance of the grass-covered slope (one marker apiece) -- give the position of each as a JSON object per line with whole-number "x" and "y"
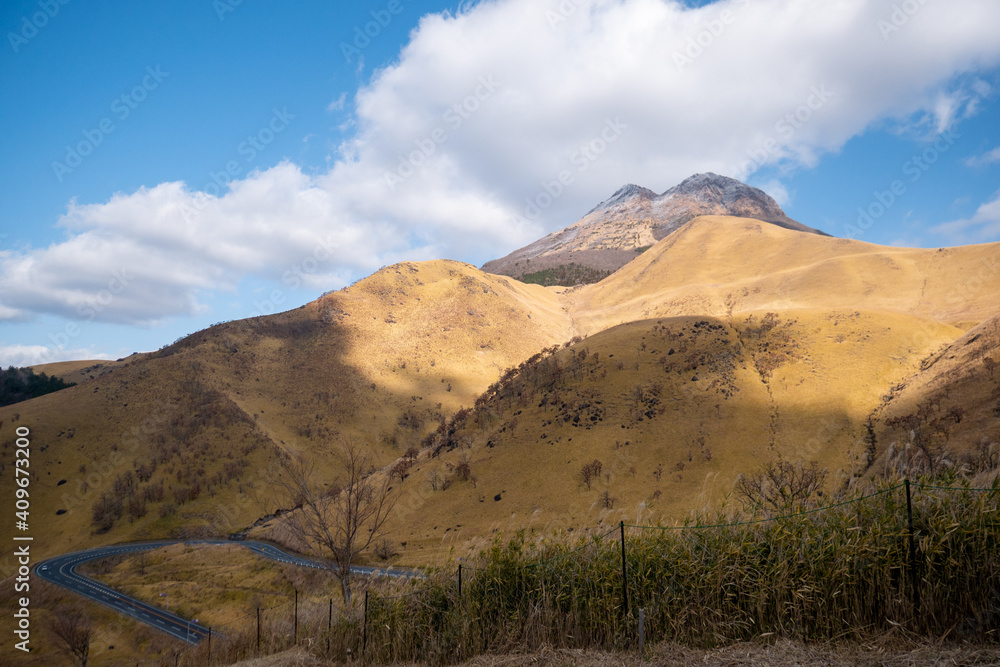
{"x": 180, "y": 441}
{"x": 672, "y": 409}
{"x": 719, "y": 266}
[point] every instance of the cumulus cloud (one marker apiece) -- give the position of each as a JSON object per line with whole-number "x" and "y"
{"x": 32, "y": 355}
{"x": 473, "y": 143}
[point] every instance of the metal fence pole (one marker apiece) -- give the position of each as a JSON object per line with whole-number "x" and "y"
{"x": 364, "y": 631}
{"x": 295, "y": 636}
{"x": 624, "y": 578}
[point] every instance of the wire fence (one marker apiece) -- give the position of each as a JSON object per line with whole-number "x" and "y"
{"x": 923, "y": 556}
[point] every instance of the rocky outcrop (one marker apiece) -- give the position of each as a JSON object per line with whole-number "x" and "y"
{"x": 615, "y": 231}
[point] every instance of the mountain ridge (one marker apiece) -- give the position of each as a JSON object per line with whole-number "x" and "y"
{"x": 632, "y": 219}
{"x": 791, "y": 339}
{"x": 622, "y": 194}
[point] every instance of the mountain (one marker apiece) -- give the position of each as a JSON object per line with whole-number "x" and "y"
{"x": 798, "y": 346}
{"x": 615, "y": 231}
{"x": 676, "y": 372}
{"x": 179, "y": 441}
{"x": 947, "y": 414}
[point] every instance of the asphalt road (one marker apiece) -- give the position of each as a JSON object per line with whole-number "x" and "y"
{"x": 61, "y": 570}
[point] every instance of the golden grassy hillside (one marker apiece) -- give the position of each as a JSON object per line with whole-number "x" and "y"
{"x": 219, "y": 584}
{"x": 77, "y": 371}
{"x": 674, "y": 409}
{"x": 117, "y": 640}
{"x": 180, "y": 441}
{"x": 948, "y": 414}
{"x": 719, "y": 265}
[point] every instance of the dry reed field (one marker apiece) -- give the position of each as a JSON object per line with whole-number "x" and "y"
{"x": 889, "y": 651}
{"x": 833, "y": 584}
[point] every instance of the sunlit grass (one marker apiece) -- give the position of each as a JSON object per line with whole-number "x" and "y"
{"x": 836, "y": 574}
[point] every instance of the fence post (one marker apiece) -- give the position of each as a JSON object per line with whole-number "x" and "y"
{"x": 295, "y": 636}
{"x": 329, "y": 627}
{"x": 258, "y": 630}
{"x": 364, "y": 631}
{"x": 624, "y": 579}
{"x": 210, "y": 646}
{"x": 459, "y": 580}
{"x": 914, "y": 590}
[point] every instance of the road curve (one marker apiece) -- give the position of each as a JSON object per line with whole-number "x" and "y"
{"x": 61, "y": 570}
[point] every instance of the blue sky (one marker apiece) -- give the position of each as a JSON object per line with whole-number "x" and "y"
{"x": 170, "y": 165}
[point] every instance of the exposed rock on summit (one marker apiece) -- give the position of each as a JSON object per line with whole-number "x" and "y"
{"x": 615, "y": 231}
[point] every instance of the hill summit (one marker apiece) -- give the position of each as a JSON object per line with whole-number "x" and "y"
{"x": 622, "y": 226}
{"x": 730, "y": 343}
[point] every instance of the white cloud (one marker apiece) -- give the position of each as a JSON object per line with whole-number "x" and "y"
{"x": 338, "y": 104}
{"x": 474, "y": 126}
{"x": 987, "y": 158}
{"x": 32, "y": 355}
{"x": 777, "y": 190}
{"x": 962, "y": 100}
{"x": 984, "y": 225}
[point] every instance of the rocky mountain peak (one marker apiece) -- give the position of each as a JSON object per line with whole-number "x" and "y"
{"x": 624, "y": 194}
{"x": 632, "y": 219}
{"x": 696, "y": 184}
{"x": 730, "y": 193}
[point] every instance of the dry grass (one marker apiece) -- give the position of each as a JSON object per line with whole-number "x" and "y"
{"x": 717, "y": 265}
{"x": 887, "y": 651}
{"x": 839, "y": 574}
{"x": 947, "y": 413}
{"x": 78, "y": 371}
{"x": 117, "y": 639}
{"x": 352, "y": 363}
{"x": 296, "y": 657}
{"x": 217, "y": 584}
{"x": 386, "y": 359}
{"x": 715, "y": 394}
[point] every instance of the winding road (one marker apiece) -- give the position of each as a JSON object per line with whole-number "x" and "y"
{"x": 61, "y": 570}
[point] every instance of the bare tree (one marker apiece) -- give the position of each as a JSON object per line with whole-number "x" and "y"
{"x": 401, "y": 469}
{"x": 338, "y": 522}
{"x": 142, "y": 561}
{"x": 780, "y": 485}
{"x": 591, "y": 471}
{"x": 434, "y": 477}
{"x": 463, "y": 470}
{"x": 73, "y": 627}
